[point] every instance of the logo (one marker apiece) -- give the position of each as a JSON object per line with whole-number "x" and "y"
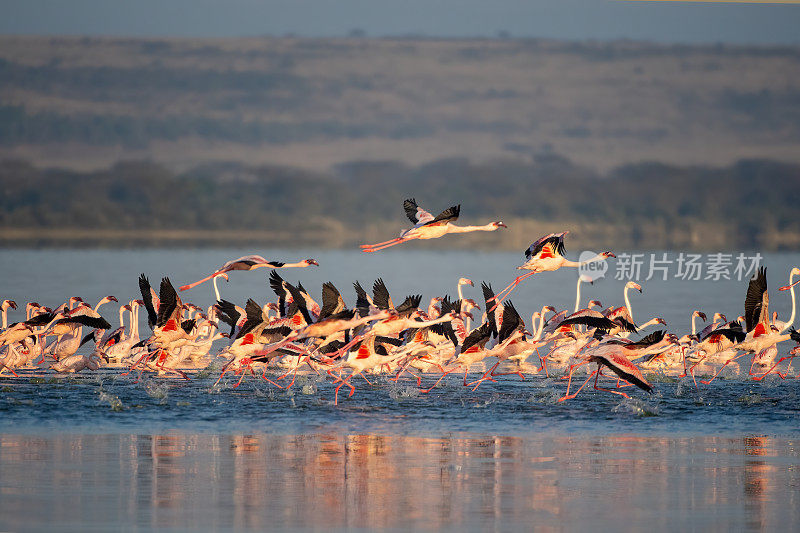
{"x": 593, "y": 270}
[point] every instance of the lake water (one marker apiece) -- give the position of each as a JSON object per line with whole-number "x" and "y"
{"x": 103, "y": 451}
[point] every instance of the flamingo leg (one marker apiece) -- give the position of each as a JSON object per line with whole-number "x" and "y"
{"x": 486, "y": 376}
{"x": 243, "y": 371}
{"x": 137, "y": 363}
{"x": 517, "y": 372}
{"x": 265, "y": 378}
{"x": 391, "y": 243}
{"x": 596, "y": 376}
{"x": 196, "y": 283}
{"x": 10, "y": 370}
{"x": 444, "y": 373}
{"x": 569, "y": 396}
{"x": 380, "y": 243}
{"x": 502, "y": 295}
{"x": 726, "y": 363}
{"x": 773, "y": 367}
{"x": 345, "y": 381}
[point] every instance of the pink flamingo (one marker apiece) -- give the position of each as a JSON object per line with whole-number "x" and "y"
{"x": 426, "y": 226}
{"x": 547, "y": 255}
{"x": 248, "y": 262}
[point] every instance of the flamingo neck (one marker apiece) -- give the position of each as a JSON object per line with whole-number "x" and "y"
{"x": 461, "y": 309}
{"x": 628, "y": 302}
{"x": 578, "y": 296}
{"x": 785, "y": 326}
{"x": 452, "y": 228}
{"x": 578, "y": 264}
{"x": 216, "y": 289}
{"x": 541, "y": 325}
{"x": 5, "y": 317}
{"x": 694, "y": 327}
{"x": 301, "y": 264}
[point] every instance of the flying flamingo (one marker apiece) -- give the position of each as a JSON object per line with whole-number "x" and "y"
{"x": 426, "y": 226}
{"x": 547, "y": 255}
{"x": 247, "y": 262}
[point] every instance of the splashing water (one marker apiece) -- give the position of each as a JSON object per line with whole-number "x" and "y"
{"x": 637, "y": 407}
{"x": 157, "y": 391}
{"x": 111, "y": 399}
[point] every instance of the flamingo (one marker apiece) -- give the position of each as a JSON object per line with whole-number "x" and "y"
{"x": 77, "y": 362}
{"x": 761, "y": 334}
{"x": 613, "y": 357}
{"x": 426, "y": 226}
{"x": 247, "y": 262}
{"x": 547, "y": 255}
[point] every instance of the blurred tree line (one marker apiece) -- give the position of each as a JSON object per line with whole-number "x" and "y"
{"x": 749, "y": 205}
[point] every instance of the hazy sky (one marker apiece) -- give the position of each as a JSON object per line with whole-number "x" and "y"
{"x": 567, "y": 19}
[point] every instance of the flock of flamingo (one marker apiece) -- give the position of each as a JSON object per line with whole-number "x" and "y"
{"x": 292, "y": 333}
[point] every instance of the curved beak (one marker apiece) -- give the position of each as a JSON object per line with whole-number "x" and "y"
{"x": 500, "y": 224}
{"x": 312, "y": 262}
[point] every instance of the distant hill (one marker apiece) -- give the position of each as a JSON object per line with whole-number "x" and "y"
{"x": 85, "y": 103}
{"x": 749, "y": 205}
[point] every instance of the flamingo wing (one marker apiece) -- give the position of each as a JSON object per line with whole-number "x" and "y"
{"x": 247, "y": 262}
{"x": 227, "y": 312}
{"x": 85, "y": 320}
{"x": 595, "y": 322}
{"x": 362, "y": 300}
{"x": 511, "y": 321}
{"x": 409, "y": 304}
{"x": 415, "y": 213}
{"x": 492, "y": 317}
{"x": 448, "y": 215}
{"x": 733, "y": 335}
{"x": 147, "y": 298}
{"x": 479, "y": 337}
{"x": 40, "y": 319}
{"x": 170, "y": 303}
{"x": 649, "y": 340}
{"x": 277, "y": 284}
{"x": 255, "y": 316}
{"x": 621, "y": 366}
{"x": 380, "y": 295}
{"x": 332, "y": 301}
{"x": 552, "y": 245}
{"x": 756, "y": 302}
